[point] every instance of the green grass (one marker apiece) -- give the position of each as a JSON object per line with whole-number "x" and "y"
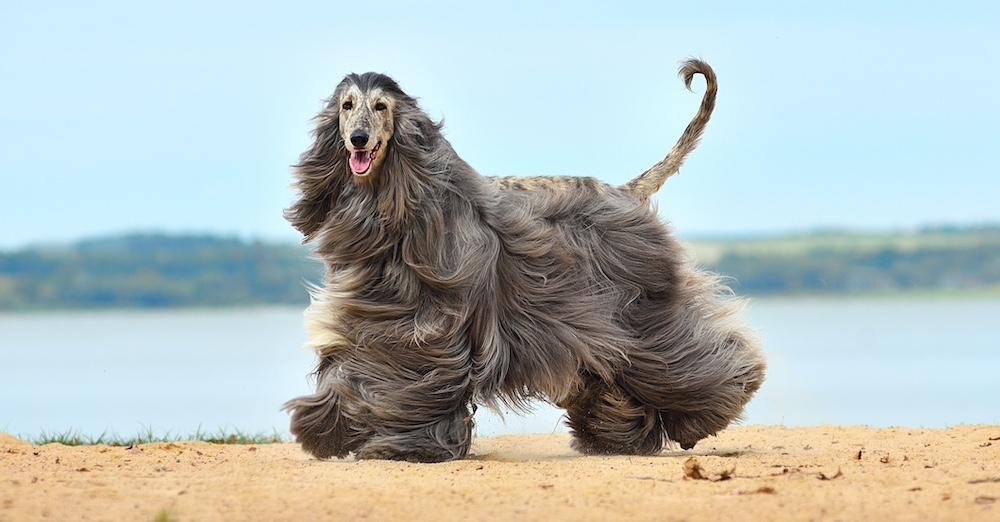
{"x": 73, "y": 438}
{"x": 164, "y": 516}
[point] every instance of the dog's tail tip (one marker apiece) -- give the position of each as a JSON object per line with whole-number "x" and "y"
{"x": 693, "y": 66}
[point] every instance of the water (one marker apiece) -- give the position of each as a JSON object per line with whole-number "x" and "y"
{"x": 914, "y": 362}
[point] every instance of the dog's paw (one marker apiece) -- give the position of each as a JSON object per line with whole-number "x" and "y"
{"x": 420, "y": 445}
{"x": 380, "y": 452}
{"x": 589, "y": 445}
{"x": 688, "y": 429}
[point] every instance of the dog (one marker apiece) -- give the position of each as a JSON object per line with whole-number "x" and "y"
{"x": 445, "y": 290}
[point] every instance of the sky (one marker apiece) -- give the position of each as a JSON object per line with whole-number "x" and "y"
{"x": 185, "y": 116}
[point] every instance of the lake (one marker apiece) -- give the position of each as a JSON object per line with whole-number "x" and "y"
{"x": 917, "y": 362}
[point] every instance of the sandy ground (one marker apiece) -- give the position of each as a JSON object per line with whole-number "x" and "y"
{"x": 759, "y": 472}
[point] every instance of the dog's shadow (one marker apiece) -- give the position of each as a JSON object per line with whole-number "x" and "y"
{"x": 714, "y": 452}
{"x": 523, "y": 456}
{"x": 500, "y": 456}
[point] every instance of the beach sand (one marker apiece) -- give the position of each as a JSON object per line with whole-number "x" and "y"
{"x": 756, "y": 472}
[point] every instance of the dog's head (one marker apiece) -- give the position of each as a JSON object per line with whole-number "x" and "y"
{"x": 370, "y": 134}
{"x": 365, "y": 115}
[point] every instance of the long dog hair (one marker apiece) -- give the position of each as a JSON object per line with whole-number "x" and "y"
{"x": 445, "y": 290}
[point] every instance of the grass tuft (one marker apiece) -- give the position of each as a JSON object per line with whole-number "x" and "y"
{"x": 164, "y": 516}
{"x": 74, "y": 438}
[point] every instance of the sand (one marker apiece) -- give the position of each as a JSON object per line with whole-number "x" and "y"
{"x": 757, "y": 472}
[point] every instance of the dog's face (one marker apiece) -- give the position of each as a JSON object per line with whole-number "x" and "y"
{"x": 369, "y": 135}
{"x": 366, "y": 126}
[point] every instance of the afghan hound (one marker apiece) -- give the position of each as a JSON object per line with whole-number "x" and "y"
{"x": 445, "y": 290}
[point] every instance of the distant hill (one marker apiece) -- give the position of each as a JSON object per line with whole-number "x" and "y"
{"x": 155, "y": 270}
{"x": 940, "y": 259}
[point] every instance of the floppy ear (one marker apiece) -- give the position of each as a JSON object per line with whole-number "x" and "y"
{"x": 319, "y": 175}
{"x": 410, "y": 162}
{"x": 415, "y": 134}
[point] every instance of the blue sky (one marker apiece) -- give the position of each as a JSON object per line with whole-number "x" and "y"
{"x": 185, "y": 117}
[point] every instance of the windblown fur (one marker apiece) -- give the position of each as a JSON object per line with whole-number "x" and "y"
{"x": 445, "y": 289}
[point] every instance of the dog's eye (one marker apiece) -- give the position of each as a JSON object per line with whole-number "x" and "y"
{"x": 347, "y": 106}
{"x": 380, "y": 106}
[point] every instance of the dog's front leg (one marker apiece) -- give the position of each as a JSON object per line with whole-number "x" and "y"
{"x": 419, "y": 406}
{"x": 445, "y": 438}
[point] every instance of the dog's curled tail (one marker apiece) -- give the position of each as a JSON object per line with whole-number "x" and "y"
{"x": 644, "y": 186}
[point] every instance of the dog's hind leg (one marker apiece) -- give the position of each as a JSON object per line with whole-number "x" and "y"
{"x": 606, "y": 420}
{"x": 700, "y": 365}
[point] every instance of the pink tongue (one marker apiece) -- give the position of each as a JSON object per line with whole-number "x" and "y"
{"x": 360, "y": 161}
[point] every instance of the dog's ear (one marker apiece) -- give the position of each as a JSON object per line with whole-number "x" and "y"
{"x": 409, "y": 164}
{"x": 319, "y": 175}
{"x": 414, "y": 133}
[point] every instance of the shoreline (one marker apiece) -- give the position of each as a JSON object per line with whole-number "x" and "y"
{"x": 978, "y": 294}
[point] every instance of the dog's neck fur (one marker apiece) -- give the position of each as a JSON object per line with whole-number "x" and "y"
{"x": 397, "y": 226}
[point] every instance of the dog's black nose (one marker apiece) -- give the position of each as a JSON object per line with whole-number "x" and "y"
{"x": 359, "y": 138}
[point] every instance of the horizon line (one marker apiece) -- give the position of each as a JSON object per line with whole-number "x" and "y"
{"x": 929, "y": 227}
